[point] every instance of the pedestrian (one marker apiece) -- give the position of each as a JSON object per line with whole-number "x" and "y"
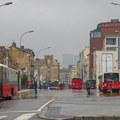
{"x": 40, "y": 86}
{"x": 32, "y": 83}
{"x": 48, "y": 87}
{"x": 110, "y": 87}
{"x": 35, "y": 86}
{"x": 88, "y": 87}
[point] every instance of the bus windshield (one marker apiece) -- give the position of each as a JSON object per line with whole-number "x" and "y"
{"x": 111, "y": 77}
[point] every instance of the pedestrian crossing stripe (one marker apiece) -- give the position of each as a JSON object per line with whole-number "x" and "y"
{"x": 25, "y": 116}
{"x": 22, "y": 117}
{"x": 1, "y": 117}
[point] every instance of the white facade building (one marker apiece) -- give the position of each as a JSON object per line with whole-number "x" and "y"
{"x": 106, "y": 60}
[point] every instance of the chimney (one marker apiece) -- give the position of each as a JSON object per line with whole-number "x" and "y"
{"x": 14, "y": 44}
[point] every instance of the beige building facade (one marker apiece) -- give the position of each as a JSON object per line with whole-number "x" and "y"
{"x": 19, "y": 59}
{"x": 48, "y": 68}
{"x": 83, "y": 64}
{"x": 65, "y": 76}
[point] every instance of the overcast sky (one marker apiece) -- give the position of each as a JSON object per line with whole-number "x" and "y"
{"x": 64, "y": 25}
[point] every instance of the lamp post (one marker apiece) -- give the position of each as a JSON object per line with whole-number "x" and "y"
{"x": 8, "y": 3}
{"x": 92, "y": 63}
{"x": 20, "y": 70}
{"x": 37, "y": 59}
{"x": 23, "y": 35}
{"x": 42, "y": 50}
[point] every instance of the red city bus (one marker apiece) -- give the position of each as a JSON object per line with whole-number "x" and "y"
{"x": 76, "y": 83}
{"x": 107, "y": 79}
{"x": 8, "y": 82}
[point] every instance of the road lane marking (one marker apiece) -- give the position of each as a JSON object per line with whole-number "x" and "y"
{"x": 25, "y": 116}
{"x": 1, "y": 117}
{"x": 30, "y": 110}
{"x": 40, "y": 109}
{"x": 19, "y": 111}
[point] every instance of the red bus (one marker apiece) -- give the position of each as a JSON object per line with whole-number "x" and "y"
{"x": 76, "y": 83}
{"x": 8, "y": 82}
{"x": 107, "y": 79}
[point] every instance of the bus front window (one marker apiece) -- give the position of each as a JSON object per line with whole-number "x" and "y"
{"x": 111, "y": 77}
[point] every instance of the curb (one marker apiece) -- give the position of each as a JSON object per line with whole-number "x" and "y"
{"x": 24, "y": 92}
{"x": 85, "y": 118}
{"x": 96, "y": 118}
{"x": 47, "y": 118}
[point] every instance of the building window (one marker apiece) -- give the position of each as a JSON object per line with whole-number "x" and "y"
{"x": 110, "y": 41}
{"x": 95, "y": 34}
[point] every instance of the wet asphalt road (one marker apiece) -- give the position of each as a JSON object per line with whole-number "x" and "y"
{"x": 68, "y": 103}
{"x": 77, "y": 103}
{"x": 23, "y": 108}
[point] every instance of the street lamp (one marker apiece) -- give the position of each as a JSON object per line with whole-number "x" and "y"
{"x": 20, "y": 70}
{"x": 8, "y": 3}
{"x": 93, "y": 63}
{"x": 42, "y": 50}
{"x": 37, "y": 60}
{"x": 23, "y": 35}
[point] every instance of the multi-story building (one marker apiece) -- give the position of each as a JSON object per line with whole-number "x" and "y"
{"x": 48, "y": 68}
{"x": 18, "y": 58}
{"x": 65, "y": 75}
{"x": 104, "y": 38}
{"x": 3, "y": 55}
{"x": 83, "y": 64}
